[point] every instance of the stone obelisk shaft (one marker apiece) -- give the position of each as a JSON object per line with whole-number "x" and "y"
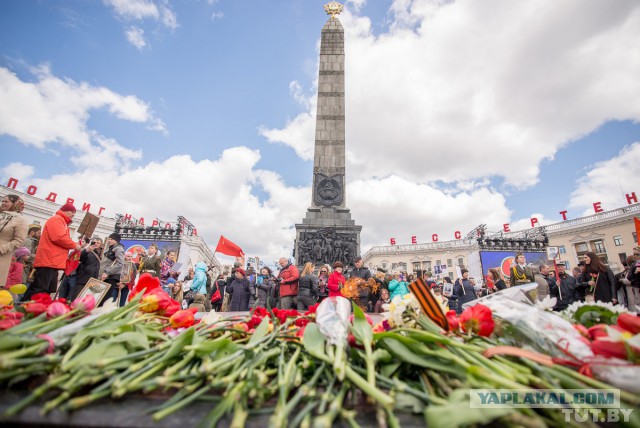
{"x": 329, "y": 157}
{"x": 327, "y": 233}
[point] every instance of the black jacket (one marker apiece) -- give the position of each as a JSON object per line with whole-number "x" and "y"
{"x": 568, "y": 289}
{"x": 363, "y": 273}
{"x": 463, "y": 292}
{"x": 266, "y": 286}
{"x": 308, "y": 286}
{"x": 239, "y": 295}
{"x": 89, "y": 267}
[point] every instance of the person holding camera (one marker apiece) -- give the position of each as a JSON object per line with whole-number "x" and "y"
{"x": 89, "y": 266}
{"x": 287, "y": 284}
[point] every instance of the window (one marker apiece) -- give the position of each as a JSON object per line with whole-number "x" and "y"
{"x": 562, "y": 249}
{"x": 623, "y": 257}
{"x": 438, "y": 262}
{"x": 581, "y": 248}
{"x": 617, "y": 240}
{"x": 635, "y": 236}
{"x": 599, "y": 246}
{"x": 416, "y": 266}
{"x": 449, "y": 263}
{"x": 384, "y": 265}
{"x": 460, "y": 261}
{"x": 451, "y": 275}
{"x": 427, "y": 266}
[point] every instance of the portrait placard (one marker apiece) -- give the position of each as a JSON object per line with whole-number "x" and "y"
{"x": 127, "y": 272}
{"x": 97, "y": 289}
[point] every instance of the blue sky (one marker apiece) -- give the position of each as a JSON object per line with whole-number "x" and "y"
{"x": 457, "y": 114}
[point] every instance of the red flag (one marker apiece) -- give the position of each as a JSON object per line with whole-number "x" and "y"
{"x": 229, "y": 248}
{"x": 636, "y": 220}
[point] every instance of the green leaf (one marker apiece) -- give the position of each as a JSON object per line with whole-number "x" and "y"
{"x": 361, "y": 328}
{"x": 134, "y": 341}
{"x": 389, "y": 369}
{"x": 209, "y": 346}
{"x": 96, "y": 352}
{"x": 260, "y": 332}
{"x": 459, "y": 414}
{"x": 183, "y": 339}
{"x": 403, "y": 353}
{"x": 313, "y": 342}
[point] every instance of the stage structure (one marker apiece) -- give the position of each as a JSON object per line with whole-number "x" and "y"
{"x": 180, "y": 236}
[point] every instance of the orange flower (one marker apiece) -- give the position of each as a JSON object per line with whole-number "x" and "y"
{"x": 183, "y": 318}
{"x": 156, "y": 300}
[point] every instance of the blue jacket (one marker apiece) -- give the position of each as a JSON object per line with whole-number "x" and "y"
{"x": 199, "y": 283}
{"x": 398, "y": 288}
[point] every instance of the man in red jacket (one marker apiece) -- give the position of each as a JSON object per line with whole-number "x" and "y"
{"x": 52, "y": 252}
{"x": 288, "y": 283}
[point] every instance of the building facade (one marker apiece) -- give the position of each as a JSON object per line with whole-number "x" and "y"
{"x": 610, "y": 234}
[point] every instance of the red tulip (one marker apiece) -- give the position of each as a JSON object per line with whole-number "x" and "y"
{"x": 454, "y": 323}
{"x": 44, "y": 298}
{"x": 57, "y": 309}
{"x": 8, "y": 323}
{"x": 155, "y": 300}
{"x": 145, "y": 282}
{"x": 86, "y": 304}
{"x": 598, "y": 330}
{"x": 172, "y": 307}
{"x": 183, "y": 318}
{"x": 609, "y": 348}
{"x": 35, "y": 308}
{"x": 261, "y": 312}
{"x": 478, "y": 319}
{"x": 302, "y": 321}
{"x": 630, "y": 323}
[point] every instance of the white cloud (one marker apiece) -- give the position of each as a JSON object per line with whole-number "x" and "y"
{"x": 135, "y": 9}
{"x": 135, "y": 36}
{"x": 394, "y": 207}
{"x": 143, "y": 11}
{"x": 217, "y": 15}
{"x": 53, "y": 111}
{"x": 608, "y": 182}
{"x": 16, "y": 170}
{"x": 492, "y": 88}
{"x": 181, "y": 186}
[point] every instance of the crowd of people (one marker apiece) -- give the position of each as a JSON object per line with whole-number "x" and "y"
{"x": 35, "y": 256}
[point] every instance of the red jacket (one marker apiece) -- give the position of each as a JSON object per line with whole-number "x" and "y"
{"x": 289, "y": 283}
{"x": 336, "y": 279}
{"x": 55, "y": 243}
{"x": 15, "y": 274}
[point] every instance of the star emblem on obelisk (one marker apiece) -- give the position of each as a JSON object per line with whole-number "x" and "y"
{"x": 333, "y": 8}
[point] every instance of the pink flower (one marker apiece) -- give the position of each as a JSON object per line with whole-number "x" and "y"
{"x": 86, "y": 304}
{"x": 57, "y": 309}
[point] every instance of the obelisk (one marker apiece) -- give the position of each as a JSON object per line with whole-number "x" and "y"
{"x": 327, "y": 233}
